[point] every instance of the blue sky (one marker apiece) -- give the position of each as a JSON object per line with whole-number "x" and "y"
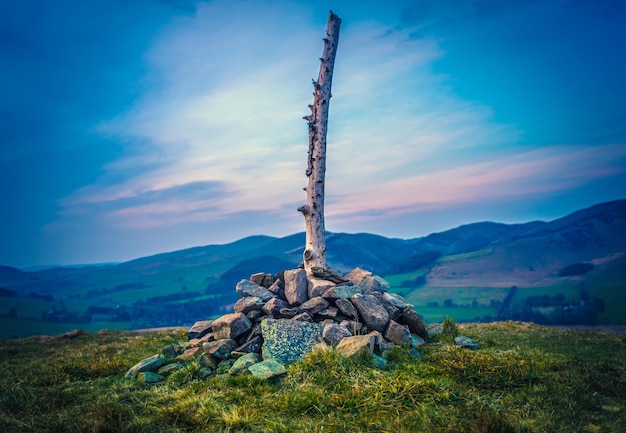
{"x": 132, "y": 127}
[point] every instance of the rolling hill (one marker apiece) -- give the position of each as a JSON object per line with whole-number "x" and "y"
{"x": 466, "y": 272}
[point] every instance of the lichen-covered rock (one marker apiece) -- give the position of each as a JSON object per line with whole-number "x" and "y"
{"x": 199, "y": 329}
{"x": 288, "y": 341}
{"x": 314, "y": 305}
{"x": 466, "y": 342}
{"x": 347, "y": 308}
{"x": 247, "y": 288}
{"x": 273, "y": 307}
{"x": 247, "y": 304}
{"x": 318, "y": 286}
{"x": 410, "y": 318}
{"x": 172, "y": 351}
{"x": 398, "y": 334}
{"x": 150, "y": 377}
{"x": 242, "y": 364}
{"x": 220, "y": 349}
{"x": 207, "y": 361}
{"x": 231, "y": 326}
{"x": 267, "y": 369}
{"x": 334, "y": 333}
{"x": 151, "y": 363}
{"x": 356, "y": 347}
{"x": 296, "y": 286}
{"x": 371, "y": 311}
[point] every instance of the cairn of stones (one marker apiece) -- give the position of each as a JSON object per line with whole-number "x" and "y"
{"x": 281, "y": 318}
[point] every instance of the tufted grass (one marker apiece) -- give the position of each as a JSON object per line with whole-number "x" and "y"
{"x": 525, "y": 378}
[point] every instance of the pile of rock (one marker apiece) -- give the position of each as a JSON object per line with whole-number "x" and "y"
{"x": 281, "y": 318}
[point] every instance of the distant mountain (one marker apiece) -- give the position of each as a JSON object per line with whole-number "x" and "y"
{"x": 183, "y": 286}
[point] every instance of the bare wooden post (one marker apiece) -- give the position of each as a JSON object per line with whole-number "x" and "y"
{"x": 313, "y": 211}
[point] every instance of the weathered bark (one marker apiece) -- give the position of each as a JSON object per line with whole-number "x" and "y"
{"x": 313, "y": 211}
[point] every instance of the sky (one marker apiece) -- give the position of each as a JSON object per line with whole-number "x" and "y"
{"x": 134, "y": 127}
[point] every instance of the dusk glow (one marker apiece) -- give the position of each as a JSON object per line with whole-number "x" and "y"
{"x": 131, "y": 128}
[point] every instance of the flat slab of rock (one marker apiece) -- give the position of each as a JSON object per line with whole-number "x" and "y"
{"x": 288, "y": 341}
{"x": 247, "y": 288}
{"x": 148, "y": 364}
{"x": 150, "y": 377}
{"x": 267, "y": 369}
{"x": 466, "y": 342}
{"x": 231, "y": 326}
{"x": 374, "y": 315}
{"x": 359, "y": 346}
{"x": 199, "y": 329}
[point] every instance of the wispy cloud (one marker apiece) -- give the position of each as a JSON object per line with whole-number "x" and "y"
{"x": 224, "y": 106}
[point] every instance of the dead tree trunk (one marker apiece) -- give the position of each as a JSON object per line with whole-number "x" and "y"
{"x": 313, "y": 211}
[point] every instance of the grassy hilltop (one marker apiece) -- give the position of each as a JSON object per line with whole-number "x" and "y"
{"x": 524, "y": 378}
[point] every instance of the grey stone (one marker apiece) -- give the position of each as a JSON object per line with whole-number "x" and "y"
{"x": 379, "y": 362}
{"x": 343, "y": 291}
{"x": 247, "y": 304}
{"x": 353, "y": 326}
{"x": 296, "y": 286}
{"x": 334, "y": 333}
{"x": 207, "y": 361}
{"x": 262, "y": 279}
{"x": 172, "y": 351}
{"x": 374, "y": 284}
{"x": 328, "y": 274}
{"x": 379, "y": 342}
{"x": 231, "y": 326}
{"x": 346, "y": 307}
{"x": 466, "y": 342}
{"x": 357, "y": 275}
{"x": 242, "y": 364}
{"x": 273, "y": 307}
{"x": 199, "y": 329}
{"x": 267, "y": 369}
{"x": 170, "y": 368}
{"x": 220, "y": 349}
{"x": 247, "y": 288}
{"x": 395, "y": 300}
{"x": 224, "y": 366}
{"x": 148, "y": 364}
{"x": 303, "y": 317}
{"x": 189, "y": 354}
{"x": 314, "y": 305}
{"x": 394, "y": 312}
{"x": 398, "y": 334}
{"x": 371, "y": 311}
{"x": 410, "y": 318}
{"x": 150, "y": 377}
{"x": 288, "y": 341}
{"x": 278, "y": 289}
{"x": 417, "y": 341}
{"x": 329, "y": 312}
{"x": 255, "y": 315}
{"x": 252, "y": 345}
{"x": 358, "y": 346}
{"x": 288, "y": 313}
{"x": 318, "y": 286}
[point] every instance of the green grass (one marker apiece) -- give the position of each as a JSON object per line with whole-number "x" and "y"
{"x": 525, "y": 378}
{"x": 9, "y": 328}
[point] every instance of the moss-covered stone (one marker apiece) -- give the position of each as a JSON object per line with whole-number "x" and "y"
{"x": 288, "y": 341}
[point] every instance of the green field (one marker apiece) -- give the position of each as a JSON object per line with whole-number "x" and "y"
{"x": 524, "y": 378}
